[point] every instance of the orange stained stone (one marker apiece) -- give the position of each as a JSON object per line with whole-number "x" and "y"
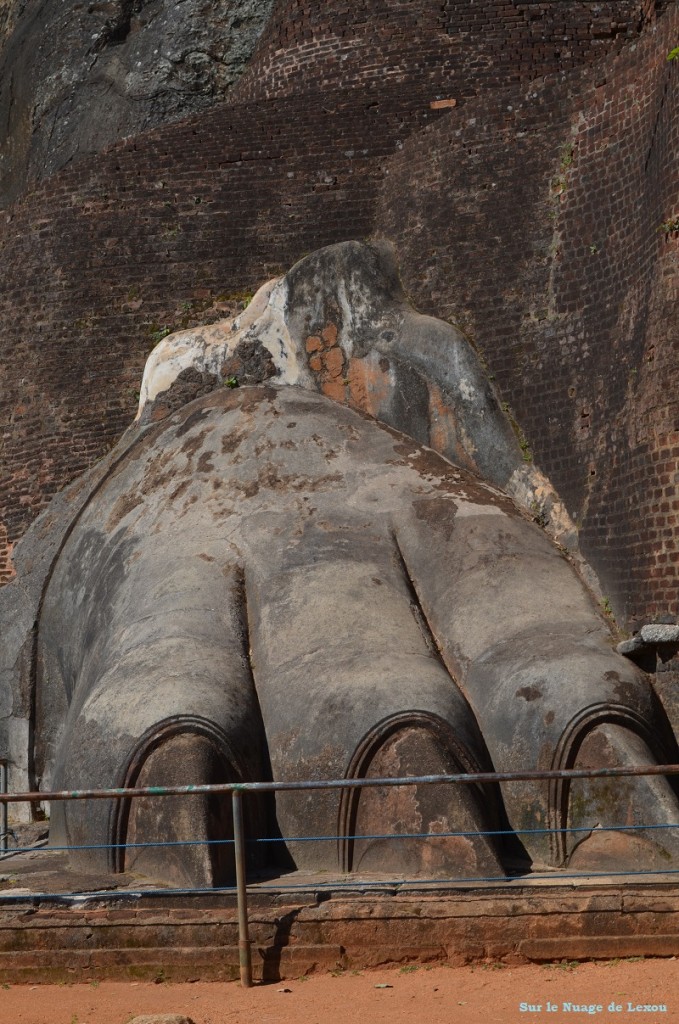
{"x": 369, "y": 386}
{"x": 446, "y": 434}
{"x": 329, "y": 335}
{"x": 334, "y": 361}
{"x": 313, "y": 343}
{"x": 334, "y": 388}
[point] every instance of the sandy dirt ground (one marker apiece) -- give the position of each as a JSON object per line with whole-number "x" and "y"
{"x": 646, "y": 992}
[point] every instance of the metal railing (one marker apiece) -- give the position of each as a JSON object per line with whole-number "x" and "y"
{"x": 237, "y": 790}
{"x": 4, "y": 831}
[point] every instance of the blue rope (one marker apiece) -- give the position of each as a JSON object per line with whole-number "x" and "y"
{"x": 121, "y": 846}
{"x": 445, "y": 835}
{"x": 332, "y": 839}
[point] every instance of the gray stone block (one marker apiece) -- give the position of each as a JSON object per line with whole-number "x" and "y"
{"x": 659, "y": 633}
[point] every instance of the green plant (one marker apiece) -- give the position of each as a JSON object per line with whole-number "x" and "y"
{"x": 85, "y": 323}
{"x": 157, "y": 334}
{"x": 539, "y": 514}
{"x": 231, "y": 382}
{"x": 567, "y": 156}
{"x": 606, "y": 607}
{"x": 409, "y": 969}
{"x": 669, "y": 225}
{"x": 244, "y": 297}
{"x": 526, "y": 452}
{"x": 559, "y": 185}
{"x": 594, "y": 249}
{"x": 673, "y": 54}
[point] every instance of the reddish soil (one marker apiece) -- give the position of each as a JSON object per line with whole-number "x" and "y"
{"x": 485, "y": 994}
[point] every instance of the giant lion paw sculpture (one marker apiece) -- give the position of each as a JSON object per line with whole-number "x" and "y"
{"x": 285, "y": 581}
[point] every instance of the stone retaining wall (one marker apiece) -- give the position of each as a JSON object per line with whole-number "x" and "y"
{"x": 292, "y": 936}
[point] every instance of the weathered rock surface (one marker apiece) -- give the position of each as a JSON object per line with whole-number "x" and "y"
{"x": 286, "y": 581}
{"x": 653, "y": 634}
{"x": 660, "y": 633}
{"x": 77, "y": 77}
{"x": 268, "y": 584}
{"x": 340, "y": 324}
{"x": 630, "y": 646}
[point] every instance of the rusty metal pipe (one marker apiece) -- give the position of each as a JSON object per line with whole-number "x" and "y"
{"x": 3, "y": 808}
{"x": 411, "y": 780}
{"x": 244, "y": 949}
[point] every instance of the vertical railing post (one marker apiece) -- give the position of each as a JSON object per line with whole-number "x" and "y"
{"x": 244, "y": 950}
{"x": 3, "y": 808}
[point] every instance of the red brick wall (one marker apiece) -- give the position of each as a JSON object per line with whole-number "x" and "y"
{"x": 654, "y": 494}
{"x": 457, "y": 46}
{"x": 535, "y": 226}
{"x": 6, "y": 568}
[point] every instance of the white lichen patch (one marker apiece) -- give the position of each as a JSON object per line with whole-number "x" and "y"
{"x": 207, "y": 349}
{"x": 468, "y": 392}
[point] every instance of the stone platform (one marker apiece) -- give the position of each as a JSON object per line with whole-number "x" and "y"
{"x": 301, "y": 923}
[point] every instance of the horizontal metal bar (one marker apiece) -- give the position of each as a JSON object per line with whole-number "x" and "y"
{"x": 411, "y": 780}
